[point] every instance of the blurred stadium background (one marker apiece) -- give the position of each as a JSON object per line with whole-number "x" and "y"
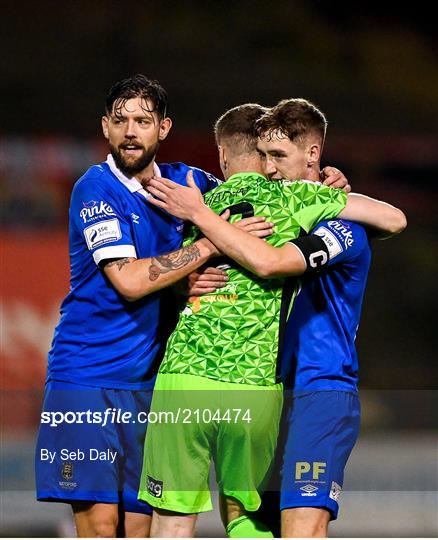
{"x": 372, "y": 69}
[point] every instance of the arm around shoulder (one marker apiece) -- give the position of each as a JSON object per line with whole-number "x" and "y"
{"x": 252, "y": 253}
{"x": 385, "y": 218}
{"x": 275, "y": 262}
{"x": 135, "y": 278}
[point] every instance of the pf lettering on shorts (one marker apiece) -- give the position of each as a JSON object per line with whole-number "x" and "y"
{"x": 155, "y": 487}
{"x": 303, "y": 468}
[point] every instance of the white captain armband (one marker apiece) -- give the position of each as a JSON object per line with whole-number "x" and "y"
{"x": 314, "y": 250}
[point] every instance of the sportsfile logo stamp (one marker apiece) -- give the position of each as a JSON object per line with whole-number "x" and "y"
{"x": 155, "y": 487}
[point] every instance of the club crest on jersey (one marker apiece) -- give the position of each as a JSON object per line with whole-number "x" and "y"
{"x": 94, "y": 210}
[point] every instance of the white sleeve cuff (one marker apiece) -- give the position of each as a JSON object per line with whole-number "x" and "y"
{"x": 114, "y": 252}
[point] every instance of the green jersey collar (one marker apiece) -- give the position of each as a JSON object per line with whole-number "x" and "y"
{"x": 241, "y": 175}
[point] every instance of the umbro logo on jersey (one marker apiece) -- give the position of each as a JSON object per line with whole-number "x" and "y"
{"x": 135, "y": 218}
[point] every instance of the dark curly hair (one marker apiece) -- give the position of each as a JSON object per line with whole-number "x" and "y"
{"x": 137, "y": 86}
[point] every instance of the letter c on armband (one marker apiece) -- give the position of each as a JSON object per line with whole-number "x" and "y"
{"x": 314, "y": 251}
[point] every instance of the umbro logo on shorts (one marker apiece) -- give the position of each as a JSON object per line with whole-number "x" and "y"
{"x": 309, "y": 490}
{"x": 155, "y": 487}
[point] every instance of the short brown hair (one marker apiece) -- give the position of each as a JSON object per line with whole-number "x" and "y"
{"x": 295, "y": 118}
{"x": 237, "y": 127}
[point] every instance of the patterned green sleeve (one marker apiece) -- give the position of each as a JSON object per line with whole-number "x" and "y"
{"x": 321, "y": 202}
{"x": 191, "y": 233}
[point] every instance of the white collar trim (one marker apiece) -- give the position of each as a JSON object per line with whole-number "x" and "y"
{"x": 131, "y": 183}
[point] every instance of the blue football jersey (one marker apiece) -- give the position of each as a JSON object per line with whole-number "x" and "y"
{"x": 319, "y": 350}
{"x": 101, "y": 339}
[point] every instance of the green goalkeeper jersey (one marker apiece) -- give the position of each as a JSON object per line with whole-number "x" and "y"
{"x": 233, "y": 334}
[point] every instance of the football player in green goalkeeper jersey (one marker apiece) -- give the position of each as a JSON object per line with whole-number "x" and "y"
{"x": 230, "y": 340}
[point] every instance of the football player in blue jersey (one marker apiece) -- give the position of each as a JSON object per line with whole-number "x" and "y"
{"x": 319, "y": 360}
{"x": 105, "y": 350}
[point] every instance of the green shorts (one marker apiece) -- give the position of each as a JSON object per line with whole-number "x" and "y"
{"x": 196, "y": 420}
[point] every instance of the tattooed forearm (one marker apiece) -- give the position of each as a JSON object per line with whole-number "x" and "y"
{"x": 173, "y": 261}
{"x": 119, "y": 262}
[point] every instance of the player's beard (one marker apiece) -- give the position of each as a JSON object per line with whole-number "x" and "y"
{"x": 132, "y": 166}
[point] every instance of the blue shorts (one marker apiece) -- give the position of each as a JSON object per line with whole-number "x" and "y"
{"x": 90, "y": 445}
{"x": 322, "y": 428}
